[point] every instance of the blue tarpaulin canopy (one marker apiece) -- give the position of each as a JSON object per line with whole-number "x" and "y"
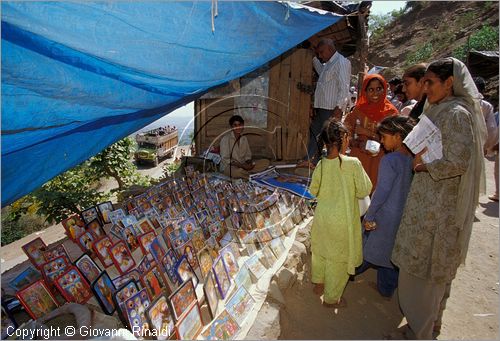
{"x": 78, "y": 76}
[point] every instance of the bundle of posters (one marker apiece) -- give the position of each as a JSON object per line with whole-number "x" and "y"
{"x": 292, "y": 183}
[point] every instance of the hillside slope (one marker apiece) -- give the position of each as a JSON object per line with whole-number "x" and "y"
{"x": 431, "y": 30}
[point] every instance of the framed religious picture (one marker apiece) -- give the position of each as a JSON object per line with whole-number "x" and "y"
{"x": 205, "y": 260}
{"x": 168, "y": 262}
{"x": 189, "y": 251}
{"x": 74, "y": 226}
{"x": 255, "y": 266}
{"x": 54, "y": 252}
{"x": 188, "y": 226}
{"x": 132, "y": 274}
{"x": 90, "y": 214}
{"x": 249, "y": 243}
{"x": 153, "y": 218}
{"x": 88, "y": 268}
{"x": 116, "y": 216}
{"x": 34, "y": 250}
{"x": 160, "y": 318}
{"x": 277, "y": 247}
{"x": 123, "y": 293}
{"x": 226, "y": 239}
{"x": 230, "y": 261}
{"x": 264, "y": 236}
{"x": 221, "y": 276}
{"x": 128, "y": 235}
{"x": 211, "y": 293}
{"x": 223, "y": 327}
{"x": 154, "y": 282}
{"x": 185, "y": 271}
{"x": 190, "y": 324}
{"x": 145, "y": 241}
{"x": 165, "y": 233}
{"x": 145, "y": 225}
{"x": 145, "y": 265}
{"x": 198, "y": 239}
{"x": 101, "y": 249}
{"x": 182, "y": 298}
{"x": 116, "y": 230}
{"x": 156, "y": 250}
{"x": 29, "y": 276}
{"x": 85, "y": 242}
{"x": 54, "y": 268}
{"x": 73, "y": 286}
{"x": 240, "y": 305}
{"x": 105, "y": 208}
{"x": 243, "y": 278}
{"x": 122, "y": 258}
{"x": 135, "y": 311}
{"x": 95, "y": 227}
{"x": 178, "y": 237}
{"x": 269, "y": 258}
{"x": 104, "y": 291}
{"x": 37, "y": 299}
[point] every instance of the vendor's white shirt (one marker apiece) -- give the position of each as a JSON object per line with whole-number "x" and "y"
{"x": 332, "y": 89}
{"x": 240, "y": 153}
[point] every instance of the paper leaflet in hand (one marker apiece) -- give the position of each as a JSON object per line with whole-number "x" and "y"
{"x": 425, "y": 134}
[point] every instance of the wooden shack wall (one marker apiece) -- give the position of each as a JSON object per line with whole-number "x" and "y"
{"x": 285, "y": 138}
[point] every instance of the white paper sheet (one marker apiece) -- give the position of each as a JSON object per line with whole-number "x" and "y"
{"x": 425, "y": 134}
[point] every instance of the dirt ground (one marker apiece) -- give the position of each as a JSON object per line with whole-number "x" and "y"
{"x": 471, "y": 313}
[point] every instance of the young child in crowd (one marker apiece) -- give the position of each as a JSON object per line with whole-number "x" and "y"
{"x": 338, "y": 182}
{"x": 382, "y": 219}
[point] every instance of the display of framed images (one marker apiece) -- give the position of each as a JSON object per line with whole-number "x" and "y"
{"x": 105, "y": 209}
{"x": 221, "y": 276}
{"x": 95, "y": 227}
{"x": 74, "y": 226}
{"x": 189, "y": 251}
{"x": 73, "y": 286}
{"x": 223, "y": 327}
{"x": 198, "y": 239}
{"x": 145, "y": 241}
{"x": 156, "y": 250}
{"x": 191, "y": 324}
{"x": 211, "y": 293}
{"x": 154, "y": 282}
{"x": 268, "y": 258}
{"x": 101, "y": 249}
{"x": 185, "y": 271}
{"x": 54, "y": 252}
{"x": 205, "y": 260}
{"x": 122, "y": 258}
{"x": 90, "y": 214}
{"x": 255, "y": 266}
{"x": 145, "y": 225}
{"x": 88, "y": 268}
{"x": 230, "y": 261}
{"x": 104, "y": 291}
{"x": 123, "y": 293}
{"x": 239, "y": 305}
{"x": 85, "y": 241}
{"x": 37, "y": 299}
{"x": 128, "y": 235}
{"x": 135, "y": 311}
{"x": 182, "y": 298}
{"x": 34, "y": 251}
{"x": 116, "y": 216}
{"x": 178, "y": 237}
{"x": 54, "y": 268}
{"x": 144, "y": 265}
{"x": 132, "y": 274}
{"x": 277, "y": 247}
{"x": 169, "y": 262}
{"x": 161, "y": 319}
{"x": 28, "y": 276}
{"x": 243, "y": 278}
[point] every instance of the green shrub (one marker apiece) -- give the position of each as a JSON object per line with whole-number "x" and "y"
{"x": 485, "y": 39}
{"x": 422, "y": 54}
{"x": 14, "y": 229}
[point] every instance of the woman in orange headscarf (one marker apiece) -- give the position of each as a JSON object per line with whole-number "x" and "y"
{"x": 371, "y": 108}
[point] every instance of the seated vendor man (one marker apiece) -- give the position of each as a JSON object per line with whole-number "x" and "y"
{"x": 236, "y": 156}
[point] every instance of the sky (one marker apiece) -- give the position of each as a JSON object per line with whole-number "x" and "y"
{"x": 378, "y": 7}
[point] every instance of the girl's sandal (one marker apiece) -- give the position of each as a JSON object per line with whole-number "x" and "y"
{"x": 341, "y": 303}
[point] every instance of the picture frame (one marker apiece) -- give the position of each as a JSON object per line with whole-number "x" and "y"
{"x": 255, "y": 265}
{"x": 104, "y": 290}
{"x": 90, "y": 214}
{"x": 156, "y": 250}
{"x": 125, "y": 291}
{"x": 160, "y": 318}
{"x": 101, "y": 249}
{"x": 189, "y": 251}
{"x": 221, "y": 276}
{"x": 37, "y": 299}
{"x": 239, "y": 305}
{"x": 85, "y": 242}
{"x": 116, "y": 216}
{"x": 95, "y": 227}
{"x": 268, "y": 257}
{"x": 121, "y": 280}
{"x": 105, "y": 208}
{"x": 27, "y": 277}
{"x": 191, "y": 324}
{"x": 145, "y": 225}
{"x": 74, "y": 226}
{"x": 277, "y": 247}
{"x": 54, "y": 252}
{"x": 205, "y": 260}
{"x": 223, "y": 327}
{"x": 51, "y": 270}
{"x": 122, "y": 258}
{"x": 73, "y": 286}
{"x": 144, "y": 265}
{"x": 154, "y": 282}
{"x": 152, "y": 216}
{"x": 198, "y": 239}
{"x": 128, "y": 235}
{"x": 211, "y": 293}
{"x": 169, "y": 262}
{"x": 182, "y": 298}
{"x": 145, "y": 241}
{"x": 185, "y": 271}
{"x": 88, "y": 268}
{"x": 135, "y": 311}
{"x": 243, "y": 278}
{"x": 34, "y": 250}
{"x": 188, "y": 225}
{"x": 230, "y": 261}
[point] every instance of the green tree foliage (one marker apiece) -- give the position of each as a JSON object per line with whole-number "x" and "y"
{"x": 422, "y": 54}
{"x": 377, "y": 24}
{"x": 485, "y": 39}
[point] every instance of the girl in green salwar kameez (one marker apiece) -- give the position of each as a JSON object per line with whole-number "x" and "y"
{"x": 338, "y": 182}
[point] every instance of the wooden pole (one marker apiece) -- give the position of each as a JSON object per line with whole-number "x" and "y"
{"x": 362, "y": 48}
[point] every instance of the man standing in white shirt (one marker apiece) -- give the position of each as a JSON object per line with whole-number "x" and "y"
{"x": 331, "y": 96}
{"x": 236, "y": 156}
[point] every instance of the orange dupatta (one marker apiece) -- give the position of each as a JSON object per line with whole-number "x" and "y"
{"x": 375, "y": 111}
